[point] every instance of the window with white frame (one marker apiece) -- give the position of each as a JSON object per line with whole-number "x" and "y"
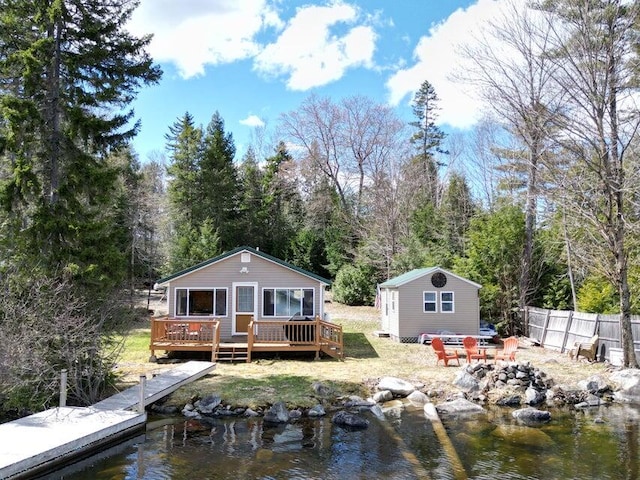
{"x": 286, "y": 302}
{"x": 429, "y": 303}
{"x": 446, "y": 302}
{"x": 201, "y": 302}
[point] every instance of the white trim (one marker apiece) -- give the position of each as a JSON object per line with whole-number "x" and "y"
{"x": 431, "y": 271}
{"x": 452, "y": 302}
{"x": 435, "y": 301}
{"x": 168, "y": 282}
{"x": 234, "y": 285}
{"x": 189, "y": 288}
{"x": 274, "y": 316}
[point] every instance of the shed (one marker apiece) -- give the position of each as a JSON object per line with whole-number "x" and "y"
{"x": 429, "y": 300}
{"x": 241, "y": 285}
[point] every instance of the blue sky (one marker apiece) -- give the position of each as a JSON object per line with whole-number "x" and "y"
{"x": 252, "y": 60}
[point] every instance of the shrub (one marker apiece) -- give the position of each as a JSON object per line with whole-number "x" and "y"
{"x": 354, "y": 285}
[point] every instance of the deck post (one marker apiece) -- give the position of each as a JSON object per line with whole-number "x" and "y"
{"x": 317, "y": 339}
{"x": 141, "y": 392}
{"x": 63, "y": 388}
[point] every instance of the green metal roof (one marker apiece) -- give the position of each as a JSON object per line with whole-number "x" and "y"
{"x": 419, "y": 273}
{"x": 407, "y": 277}
{"x": 235, "y": 251}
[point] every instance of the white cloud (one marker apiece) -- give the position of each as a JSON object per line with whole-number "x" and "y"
{"x": 310, "y": 54}
{"x": 195, "y": 33}
{"x": 436, "y": 59}
{"x": 252, "y": 121}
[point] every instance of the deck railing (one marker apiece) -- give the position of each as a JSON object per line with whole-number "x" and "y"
{"x": 180, "y": 334}
{"x": 263, "y": 335}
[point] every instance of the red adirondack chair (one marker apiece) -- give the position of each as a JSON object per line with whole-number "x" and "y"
{"x": 442, "y": 354}
{"x": 472, "y": 350}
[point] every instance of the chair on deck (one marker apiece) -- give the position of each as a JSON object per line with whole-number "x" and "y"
{"x": 472, "y": 350}
{"x": 442, "y": 354}
{"x": 587, "y": 349}
{"x": 508, "y": 352}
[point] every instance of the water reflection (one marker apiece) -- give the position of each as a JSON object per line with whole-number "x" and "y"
{"x": 596, "y": 444}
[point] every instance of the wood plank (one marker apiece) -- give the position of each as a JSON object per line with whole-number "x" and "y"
{"x": 51, "y": 437}
{"x": 158, "y": 387}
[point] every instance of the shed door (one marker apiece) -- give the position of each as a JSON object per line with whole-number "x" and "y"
{"x": 245, "y": 304}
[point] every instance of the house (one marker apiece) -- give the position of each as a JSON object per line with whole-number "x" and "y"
{"x": 243, "y": 301}
{"x": 242, "y": 284}
{"x": 429, "y": 300}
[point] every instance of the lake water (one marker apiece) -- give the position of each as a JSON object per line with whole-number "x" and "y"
{"x": 601, "y": 443}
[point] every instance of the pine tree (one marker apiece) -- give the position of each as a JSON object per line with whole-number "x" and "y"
{"x": 68, "y": 70}
{"x": 218, "y": 182}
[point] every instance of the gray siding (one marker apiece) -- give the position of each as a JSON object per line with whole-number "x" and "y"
{"x": 412, "y": 320}
{"x": 265, "y": 273}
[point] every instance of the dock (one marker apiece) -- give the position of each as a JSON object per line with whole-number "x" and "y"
{"x": 46, "y": 440}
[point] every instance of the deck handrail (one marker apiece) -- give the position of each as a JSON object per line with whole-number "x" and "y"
{"x": 262, "y": 335}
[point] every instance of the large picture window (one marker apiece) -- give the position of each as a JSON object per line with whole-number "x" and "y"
{"x": 201, "y": 302}
{"x": 286, "y": 302}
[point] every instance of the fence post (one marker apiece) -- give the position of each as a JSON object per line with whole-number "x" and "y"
{"x": 566, "y": 331}
{"x": 63, "y": 388}
{"x": 141, "y": 392}
{"x": 543, "y": 337}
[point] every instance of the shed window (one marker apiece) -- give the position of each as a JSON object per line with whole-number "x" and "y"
{"x": 430, "y": 305}
{"x": 286, "y": 302}
{"x": 446, "y": 302}
{"x": 192, "y": 302}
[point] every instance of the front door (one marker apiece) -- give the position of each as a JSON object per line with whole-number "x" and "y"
{"x": 244, "y": 305}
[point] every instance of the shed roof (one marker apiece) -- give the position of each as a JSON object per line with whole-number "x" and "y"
{"x": 164, "y": 281}
{"x": 419, "y": 273}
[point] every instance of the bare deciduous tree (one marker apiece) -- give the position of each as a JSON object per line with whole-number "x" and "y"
{"x": 506, "y": 62}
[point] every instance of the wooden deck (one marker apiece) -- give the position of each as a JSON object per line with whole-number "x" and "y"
{"x": 41, "y": 442}
{"x": 171, "y": 334}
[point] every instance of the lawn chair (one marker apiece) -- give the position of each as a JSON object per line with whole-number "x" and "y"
{"x": 508, "y": 352}
{"x": 438, "y": 347}
{"x": 587, "y": 349}
{"x": 472, "y": 350}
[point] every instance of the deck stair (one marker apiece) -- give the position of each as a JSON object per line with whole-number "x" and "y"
{"x": 232, "y": 352}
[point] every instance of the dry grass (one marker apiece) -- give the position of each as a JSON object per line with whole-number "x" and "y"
{"x": 269, "y": 379}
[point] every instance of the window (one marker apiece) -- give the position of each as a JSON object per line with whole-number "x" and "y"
{"x": 201, "y": 302}
{"x": 286, "y": 302}
{"x": 446, "y": 302}
{"x": 430, "y": 302}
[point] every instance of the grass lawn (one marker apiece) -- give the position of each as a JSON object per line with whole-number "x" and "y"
{"x": 289, "y": 377}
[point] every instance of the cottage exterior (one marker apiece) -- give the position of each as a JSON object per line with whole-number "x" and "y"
{"x": 429, "y": 300}
{"x": 241, "y": 285}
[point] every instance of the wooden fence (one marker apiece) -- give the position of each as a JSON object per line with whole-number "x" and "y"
{"x": 561, "y": 329}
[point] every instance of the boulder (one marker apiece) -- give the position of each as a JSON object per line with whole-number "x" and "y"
{"x": 278, "y": 413}
{"x": 208, "y": 404}
{"x": 509, "y": 401}
{"x": 396, "y": 386}
{"x": 418, "y": 398}
{"x": 531, "y": 415}
{"x": 459, "y": 406}
{"x": 322, "y": 390}
{"x": 351, "y": 420}
{"x": 627, "y": 385}
{"x": 466, "y": 381}
{"x": 594, "y": 384}
{"x": 317, "y": 411}
{"x": 533, "y": 396}
{"x": 382, "y": 396}
{"x": 523, "y": 435}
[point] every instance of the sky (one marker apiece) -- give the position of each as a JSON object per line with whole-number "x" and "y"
{"x": 252, "y": 60}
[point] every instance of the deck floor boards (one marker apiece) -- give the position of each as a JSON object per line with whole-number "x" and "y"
{"x": 41, "y": 442}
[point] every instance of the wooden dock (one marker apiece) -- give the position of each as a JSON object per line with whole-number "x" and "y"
{"x": 41, "y": 442}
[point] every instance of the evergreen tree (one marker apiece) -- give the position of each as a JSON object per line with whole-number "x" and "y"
{"x": 68, "y": 70}
{"x": 427, "y": 139}
{"x": 218, "y": 183}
